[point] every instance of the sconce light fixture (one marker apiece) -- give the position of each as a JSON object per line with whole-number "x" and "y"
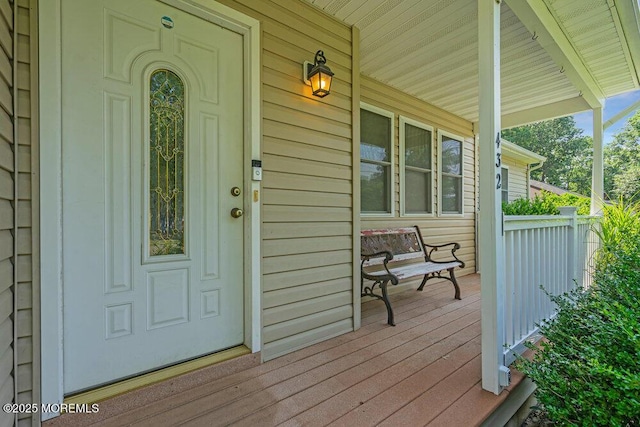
{"x": 318, "y": 75}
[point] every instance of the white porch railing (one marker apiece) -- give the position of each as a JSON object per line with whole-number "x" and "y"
{"x": 555, "y": 252}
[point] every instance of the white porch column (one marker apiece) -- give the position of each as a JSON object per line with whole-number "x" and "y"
{"x": 597, "y": 173}
{"x": 490, "y": 224}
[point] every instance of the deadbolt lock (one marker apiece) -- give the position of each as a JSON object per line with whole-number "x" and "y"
{"x": 236, "y": 212}
{"x": 235, "y": 191}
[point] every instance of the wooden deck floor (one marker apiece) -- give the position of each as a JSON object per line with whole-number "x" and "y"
{"x": 424, "y": 371}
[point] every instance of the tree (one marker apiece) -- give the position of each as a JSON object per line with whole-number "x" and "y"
{"x": 622, "y": 162}
{"x": 568, "y": 152}
{"x": 627, "y": 184}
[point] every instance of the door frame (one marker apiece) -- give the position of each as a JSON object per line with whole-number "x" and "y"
{"x": 50, "y": 129}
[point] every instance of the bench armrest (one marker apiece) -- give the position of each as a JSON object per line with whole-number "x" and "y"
{"x": 429, "y": 249}
{"x": 388, "y": 256}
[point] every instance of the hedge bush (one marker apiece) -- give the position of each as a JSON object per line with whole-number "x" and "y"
{"x": 587, "y": 371}
{"x": 546, "y": 203}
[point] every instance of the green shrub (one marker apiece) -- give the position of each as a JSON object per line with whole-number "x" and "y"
{"x": 522, "y": 206}
{"x": 620, "y": 231}
{"x": 546, "y": 203}
{"x": 582, "y": 203}
{"x": 536, "y": 206}
{"x": 588, "y": 371}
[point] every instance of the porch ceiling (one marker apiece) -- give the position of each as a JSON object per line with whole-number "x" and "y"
{"x": 428, "y": 48}
{"x": 595, "y": 29}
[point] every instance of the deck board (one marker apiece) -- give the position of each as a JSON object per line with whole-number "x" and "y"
{"x": 425, "y": 370}
{"x": 359, "y": 366}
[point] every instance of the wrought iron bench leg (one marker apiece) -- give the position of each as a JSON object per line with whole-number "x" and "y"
{"x": 385, "y": 298}
{"x": 382, "y": 284}
{"x": 451, "y": 278}
{"x": 455, "y": 283}
{"x": 426, "y": 277}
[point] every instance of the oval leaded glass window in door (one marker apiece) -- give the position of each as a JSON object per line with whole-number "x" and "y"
{"x": 166, "y": 164}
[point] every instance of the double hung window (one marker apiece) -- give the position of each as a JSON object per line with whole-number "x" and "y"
{"x": 504, "y": 184}
{"x": 416, "y": 166}
{"x": 376, "y": 161}
{"x": 451, "y": 168}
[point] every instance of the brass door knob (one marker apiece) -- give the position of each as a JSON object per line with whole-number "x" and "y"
{"x": 236, "y": 212}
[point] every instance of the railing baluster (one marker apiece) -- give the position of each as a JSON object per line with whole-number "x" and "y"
{"x": 509, "y": 287}
{"x": 545, "y": 267}
{"x": 536, "y": 283}
{"x": 517, "y": 285}
{"x": 530, "y": 301}
{"x": 551, "y": 267}
{"x": 568, "y": 242}
{"x": 522, "y": 286}
{"x": 559, "y": 273}
{"x": 557, "y": 283}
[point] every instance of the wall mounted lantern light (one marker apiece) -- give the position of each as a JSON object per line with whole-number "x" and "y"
{"x": 318, "y": 75}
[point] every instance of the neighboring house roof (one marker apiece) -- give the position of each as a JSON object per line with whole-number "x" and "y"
{"x": 552, "y": 52}
{"x": 535, "y": 187}
{"x": 522, "y": 154}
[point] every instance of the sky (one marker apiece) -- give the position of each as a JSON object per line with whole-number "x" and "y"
{"x": 612, "y": 106}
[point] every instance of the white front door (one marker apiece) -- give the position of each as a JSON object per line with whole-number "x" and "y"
{"x": 152, "y": 131}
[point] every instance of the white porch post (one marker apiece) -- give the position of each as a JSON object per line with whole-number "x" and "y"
{"x": 597, "y": 174}
{"x": 490, "y": 224}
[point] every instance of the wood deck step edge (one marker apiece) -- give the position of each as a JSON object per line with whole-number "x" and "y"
{"x": 511, "y": 405}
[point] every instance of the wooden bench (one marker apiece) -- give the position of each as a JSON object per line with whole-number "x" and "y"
{"x": 391, "y": 246}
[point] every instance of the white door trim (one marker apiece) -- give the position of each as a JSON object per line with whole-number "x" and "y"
{"x": 52, "y": 280}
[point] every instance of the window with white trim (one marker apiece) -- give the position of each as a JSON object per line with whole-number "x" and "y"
{"x": 376, "y": 160}
{"x": 416, "y": 168}
{"x": 504, "y": 184}
{"x": 450, "y": 174}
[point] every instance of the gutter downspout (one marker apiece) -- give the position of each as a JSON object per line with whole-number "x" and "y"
{"x": 531, "y": 169}
{"x": 15, "y": 206}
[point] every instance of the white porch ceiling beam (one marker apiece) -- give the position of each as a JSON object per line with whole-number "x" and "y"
{"x": 545, "y": 112}
{"x": 491, "y": 241}
{"x": 613, "y": 120}
{"x": 537, "y": 18}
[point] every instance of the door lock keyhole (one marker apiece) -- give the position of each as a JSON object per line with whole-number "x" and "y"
{"x": 235, "y": 191}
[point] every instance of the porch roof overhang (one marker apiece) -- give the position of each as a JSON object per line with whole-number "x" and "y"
{"x": 521, "y": 154}
{"x": 558, "y": 57}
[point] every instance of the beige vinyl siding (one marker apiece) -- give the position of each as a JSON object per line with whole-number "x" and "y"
{"x": 435, "y": 229}
{"x": 7, "y": 175}
{"x": 307, "y": 178}
{"x": 517, "y": 177}
{"x": 28, "y": 328}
